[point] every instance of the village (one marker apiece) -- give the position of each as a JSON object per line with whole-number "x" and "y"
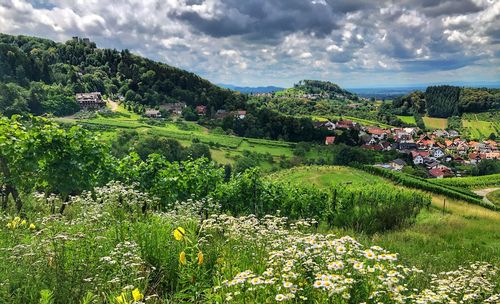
{"x": 439, "y": 151}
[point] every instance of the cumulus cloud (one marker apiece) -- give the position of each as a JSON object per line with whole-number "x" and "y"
{"x": 256, "y": 42}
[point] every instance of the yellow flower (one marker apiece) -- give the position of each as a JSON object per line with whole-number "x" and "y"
{"x": 9, "y": 225}
{"x": 32, "y": 226}
{"x": 120, "y": 299}
{"x": 200, "y": 258}
{"x": 182, "y": 258}
{"x": 179, "y": 233}
{"x": 137, "y": 295}
{"x": 23, "y": 222}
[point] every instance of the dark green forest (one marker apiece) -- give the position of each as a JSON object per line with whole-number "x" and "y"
{"x": 446, "y": 101}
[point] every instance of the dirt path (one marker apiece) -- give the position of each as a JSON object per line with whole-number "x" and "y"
{"x": 484, "y": 192}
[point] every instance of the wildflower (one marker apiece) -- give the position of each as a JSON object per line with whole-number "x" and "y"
{"x": 120, "y": 299}
{"x": 23, "y": 223}
{"x": 137, "y": 295}
{"x": 200, "y": 258}
{"x": 179, "y": 233}
{"x": 182, "y": 258}
{"x": 32, "y": 226}
{"x": 287, "y": 284}
{"x": 256, "y": 281}
{"x": 280, "y": 297}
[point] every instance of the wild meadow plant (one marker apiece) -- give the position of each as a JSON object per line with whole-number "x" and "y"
{"x": 111, "y": 245}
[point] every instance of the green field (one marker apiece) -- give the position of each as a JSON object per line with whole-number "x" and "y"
{"x": 326, "y": 176}
{"x": 408, "y": 119}
{"x": 478, "y": 129}
{"x": 494, "y": 197}
{"x": 224, "y": 148}
{"x": 432, "y": 243}
{"x": 435, "y": 123}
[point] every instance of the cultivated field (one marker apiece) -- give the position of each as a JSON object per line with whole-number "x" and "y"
{"x": 435, "y": 123}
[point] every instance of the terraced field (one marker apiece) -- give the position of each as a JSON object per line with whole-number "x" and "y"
{"x": 224, "y": 147}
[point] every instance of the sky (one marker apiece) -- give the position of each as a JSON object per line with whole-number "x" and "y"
{"x": 355, "y": 43}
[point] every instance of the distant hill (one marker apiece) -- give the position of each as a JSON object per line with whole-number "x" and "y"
{"x": 41, "y": 76}
{"x": 317, "y": 89}
{"x": 251, "y": 90}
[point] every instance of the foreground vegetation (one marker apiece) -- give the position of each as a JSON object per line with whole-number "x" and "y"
{"x": 84, "y": 226}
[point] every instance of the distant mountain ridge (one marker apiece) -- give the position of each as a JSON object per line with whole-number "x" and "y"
{"x": 251, "y": 90}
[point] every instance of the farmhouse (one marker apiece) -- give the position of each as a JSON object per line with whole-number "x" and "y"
{"x": 240, "y": 114}
{"x": 329, "y": 140}
{"x": 152, "y": 113}
{"x": 201, "y": 110}
{"x": 174, "y": 108}
{"x": 90, "y": 101}
{"x": 397, "y": 164}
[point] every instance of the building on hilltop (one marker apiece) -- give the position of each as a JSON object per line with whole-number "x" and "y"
{"x": 90, "y": 101}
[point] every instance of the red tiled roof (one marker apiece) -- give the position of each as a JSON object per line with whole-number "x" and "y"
{"x": 330, "y": 140}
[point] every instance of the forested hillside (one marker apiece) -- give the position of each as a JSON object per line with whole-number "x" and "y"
{"x": 446, "y": 101}
{"x": 41, "y": 76}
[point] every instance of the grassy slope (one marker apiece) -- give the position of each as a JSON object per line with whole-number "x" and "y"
{"x": 229, "y": 145}
{"x": 408, "y": 119}
{"x": 437, "y": 241}
{"x": 480, "y": 129}
{"x": 435, "y": 123}
{"x": 494, "y": 197}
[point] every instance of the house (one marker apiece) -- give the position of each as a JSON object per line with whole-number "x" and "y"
{"x": 174, "y": 108}
{"x": 201, "y": 110}
{"x": 407, "y": 145}
{"x": 440, "y": 172}
{"x": 418, "y": 156}
{"x": 221, "y": 114}
{"x": 397, "y": 164}
{"x": 346, "y": 124}
{"x": 152, "y": 113}
{"x": 90, "y": 101}
{"x": 441, "y": 133}
{"x": 329, "y": 125}
{"x": 437, "y": 153}
{"x": 448, "y": 158}
{"x": 474, "y": 158}
{"x": 430, "y": 163}
{"x": 453, "y": 133}
{"x": 418, "y": 160}
{"x": 329, "y": 140}
{"x": 240, "y": 114}
{"x": 377, "y": 132}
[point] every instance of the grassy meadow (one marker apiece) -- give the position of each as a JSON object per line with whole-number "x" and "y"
{"x": 438, "y": 241}
{"x": 407, "y": 119}
{"x": 435, "y": 123}
{"x": 480, "y": 126}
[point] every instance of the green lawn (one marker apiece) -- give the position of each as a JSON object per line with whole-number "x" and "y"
{"x": 408, "y": 119}
{"x": 435, "y": 123}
